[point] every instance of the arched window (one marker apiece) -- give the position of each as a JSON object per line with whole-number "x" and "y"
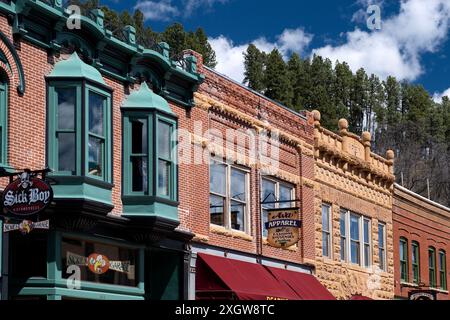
{"x": 443, "y": 269}
{"x": 432, "y": 266}
{"x": 415, "y": 261}
{"x": 403, "y": 252}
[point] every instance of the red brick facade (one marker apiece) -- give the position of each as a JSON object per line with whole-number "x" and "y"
{"x": 428, "y": 223}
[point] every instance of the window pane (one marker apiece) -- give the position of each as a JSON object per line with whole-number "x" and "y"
{"x": 66, "y": 152}
{"x": 163, "y": 178}
{"x": 139, "y": 178}
{"x": 265, "y": 219}
{"x": 366, "y": 231}
{"x": 96, "y": 103}
{"x": 66, "y": 108}
{"x": 237, "y": 216}
{"x": 268, "y": 193}
{"x": 414, "y": 254}
{"x": 216, "y": 210}
{"x": 342, "y": 224}
{"x": 343, "y": 246}
{"x": 354, "y": 227}
{"x": 355, "y": 252}
{"x": 164, "y": 139}
{"x": 286, "y": 195}
{"x": 217, "y": 178}
{"x": 381, "y": 256}
{"x": 325, "y": 244}
{"x": 431, "y": 258}
{"x": 325, "y": 218}
{"x": 381, "y": 236}
{"x": 238, "y": 185}
{"x": 366, "y": 256}
{"x": 139, "y": 133}
{"x": 95, "y": 156}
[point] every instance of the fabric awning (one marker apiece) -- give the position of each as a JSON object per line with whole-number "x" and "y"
{"x": 306, "y": 286}
{"x": 217, "y": 276}
{"x": 248, "y": 281}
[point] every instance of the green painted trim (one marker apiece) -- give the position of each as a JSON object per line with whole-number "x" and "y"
{"x": 83, "y": 191}
{"x": 1, "y": 251}
{"x": 74, "y": 67}
{"x": 4, "y": 123}
{"x": 8, "y": 8}
{"x": 145, "y": 98}
{"x": 80, "y": 294}
{"x": 157, "y": 209}
{"x": 22, "y": 85}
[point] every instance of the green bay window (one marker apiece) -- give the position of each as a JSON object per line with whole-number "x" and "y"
{"x": 79, "y": 132}
{"x": 149, "y": 156}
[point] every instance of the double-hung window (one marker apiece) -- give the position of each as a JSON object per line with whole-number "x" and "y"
{"x": 432, "y": 266}
{"x": 415, "y": 261}
{"x": 326, "y": 231}
{"x": 403, "y": 253}
{"x": 382, "y": 246}
{"x": 443, "y": 269}
{"x": 228, "y": 199}
{"x": 275, "y": 194}
{"x": 356, "y": 239}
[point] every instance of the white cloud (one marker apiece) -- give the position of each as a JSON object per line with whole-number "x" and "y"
{"x": 192, "y": 5}
{"x": 157, "y": 10}
{"x": 420, "y": 27}
{"x": 437, "y": 97}
{"x": 230, "y": 58}
{"x": 164, "y": 10}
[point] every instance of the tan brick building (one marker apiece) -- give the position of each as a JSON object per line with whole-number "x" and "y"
{"x": 353, "y": 214}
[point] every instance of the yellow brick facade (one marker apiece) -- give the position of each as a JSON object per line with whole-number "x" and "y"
{"x": 349, "y": 176}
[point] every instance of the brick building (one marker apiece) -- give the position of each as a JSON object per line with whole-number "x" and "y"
{"x": 353, "y": 215}
{"x": 100, "y": 111}
{"x": 421, "y": 244}
{"x": 261, "y": 158}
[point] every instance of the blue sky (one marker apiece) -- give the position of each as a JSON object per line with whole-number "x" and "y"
{"x": 412, "y": 43}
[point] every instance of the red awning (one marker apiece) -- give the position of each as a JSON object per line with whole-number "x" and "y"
{"x": 218, "y": 278}
{"x": 305, "y": 285}
{"x": 248, "y": 281}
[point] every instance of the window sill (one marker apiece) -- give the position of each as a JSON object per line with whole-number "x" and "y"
{"x": 408, "y": 284}
{"x": 440, "y": 290}
{"x": 230, "y": 233}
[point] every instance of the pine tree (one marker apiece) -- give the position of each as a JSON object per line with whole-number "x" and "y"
{"x": 198, "y": 41}
{"x": 254, "y": 64}
{"x": 375, "y": 111}
{"x": 297, "y": 73}
{"x": 393, "y": 97}
{"x": 359, "y": 101}
{"x": 277, "y": 79}
{"x": 342, "y": 89}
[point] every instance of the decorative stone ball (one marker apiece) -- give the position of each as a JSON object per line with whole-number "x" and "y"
{"x": 390, "y": 155}
{"x": 316, "y": 115}
{"x": 366, "y": 136}
{"x": 343, "y": 124}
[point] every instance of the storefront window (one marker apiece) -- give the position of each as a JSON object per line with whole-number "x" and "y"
{"x": 28, "y": 255}
{"x": 100, "y": 263}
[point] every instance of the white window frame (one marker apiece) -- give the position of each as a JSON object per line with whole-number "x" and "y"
{"x": 384, "y": 247}
{"x": 361, "y": 219}
{"x": 330, "y": 229}
{"x": 277, "y": 183}
{"x": 227, "y": 209}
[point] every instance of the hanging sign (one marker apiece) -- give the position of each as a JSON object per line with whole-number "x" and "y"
{"x": 99, "y": 264}
{"x": 26, "y": 226}
{"x": 27, "y": 195}
{"x": 283, "y": 227}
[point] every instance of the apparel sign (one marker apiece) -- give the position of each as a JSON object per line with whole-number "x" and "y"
{"x": 283, "y": 227}
{"x": 27, "y": 195}
{"x": 26, "y": 226}
{"x": 99, "y": 264}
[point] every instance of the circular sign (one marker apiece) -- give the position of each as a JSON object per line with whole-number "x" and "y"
{"x": 27, "y": 196}
{"x": 98, "y": 264}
